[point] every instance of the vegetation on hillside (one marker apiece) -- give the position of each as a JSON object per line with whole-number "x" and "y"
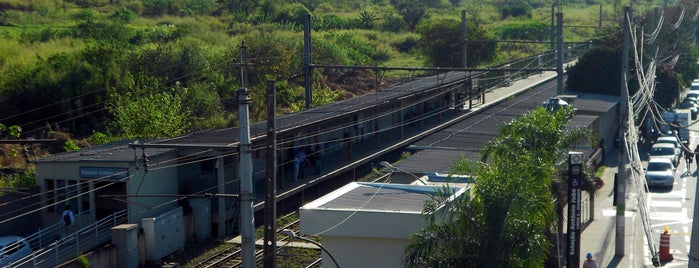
{"x": 76, "y": 65}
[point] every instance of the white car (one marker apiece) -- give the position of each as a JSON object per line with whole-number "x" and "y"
{"x": 12, "y": 249}
{"x": 660, "y": 172}
{"x": 665, "y": 150}
{"x": 671, "y": 140}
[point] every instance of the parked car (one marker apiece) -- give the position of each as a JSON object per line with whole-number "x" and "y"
{"x": 692, "y": 94}
{"x": 671, "y": 140}
{"x": 12, "y": 249}
{"x": 690, "y": 104}
{"x": 660, "y": 172}
{"x": 665, "y": 150}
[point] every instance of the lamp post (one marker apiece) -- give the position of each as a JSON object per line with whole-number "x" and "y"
{"x": 389, "y": 166}
{"x": 292, "y": 234}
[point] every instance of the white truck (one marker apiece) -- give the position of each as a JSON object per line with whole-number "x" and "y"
{"x": 676, "y": 121}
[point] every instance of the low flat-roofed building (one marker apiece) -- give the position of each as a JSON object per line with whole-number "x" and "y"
{"x": 370, "y": 224}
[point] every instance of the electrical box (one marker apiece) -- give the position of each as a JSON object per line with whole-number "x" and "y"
{"x": 201, "y": 212}
{"x": 164, "y": 234}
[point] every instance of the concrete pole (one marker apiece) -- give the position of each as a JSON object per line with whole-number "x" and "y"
{"x": 247, "y": 218}
{"x": 307, "y": 60}
{"x": 599, "y": 25}
{"x": 553, "y": 26}
{"x": 464, "y": 57}
{"x": 559, "y": 55}
{"x": 221, "y": 229}
{"x": 623, "y": 127}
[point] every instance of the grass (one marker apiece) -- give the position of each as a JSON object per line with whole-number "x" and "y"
{"x": 197, "y": 251}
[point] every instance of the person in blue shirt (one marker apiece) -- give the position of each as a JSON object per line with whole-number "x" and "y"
{"x": 299, "y": 163}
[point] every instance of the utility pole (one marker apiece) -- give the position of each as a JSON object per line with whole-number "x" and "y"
{"x": 559, "y": 54}
{"x": 623, "y": 128}
{"x": 553, "y": 23}
{"x": 270, "y": 247}
{"x": 247, "y": 221}
{"x": 599, "y": 25}
{"x": 464, "y": 57}
{"x": 307, "y": 60}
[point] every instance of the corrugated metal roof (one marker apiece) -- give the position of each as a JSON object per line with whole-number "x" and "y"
{"x": 119, "y": 151}
{"x": 467, "y": 137}
{"x": 371, "y": 197}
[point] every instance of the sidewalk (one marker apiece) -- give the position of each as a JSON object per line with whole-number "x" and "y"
{"x": 599, "y": 238}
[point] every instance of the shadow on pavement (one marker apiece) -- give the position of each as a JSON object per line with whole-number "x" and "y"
{"x": 614, "y": 262}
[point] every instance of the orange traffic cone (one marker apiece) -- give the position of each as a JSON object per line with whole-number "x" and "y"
{"x": 665, "y": 246}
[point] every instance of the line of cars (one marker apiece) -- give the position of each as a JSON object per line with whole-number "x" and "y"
{"x": 667, "y": 151}
{"x": 664, "y": 157}
{"x": 691, "y": 100}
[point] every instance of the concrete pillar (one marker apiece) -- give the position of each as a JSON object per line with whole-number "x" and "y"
{"x": 125, "y": 238}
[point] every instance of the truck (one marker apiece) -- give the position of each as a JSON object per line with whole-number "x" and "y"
{"x": 676, "y": 121}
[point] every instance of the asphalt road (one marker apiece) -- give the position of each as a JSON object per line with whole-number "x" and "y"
{"x": 674, "y": 208}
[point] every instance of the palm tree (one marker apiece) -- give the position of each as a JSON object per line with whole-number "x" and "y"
{"x": 504, "y": 219}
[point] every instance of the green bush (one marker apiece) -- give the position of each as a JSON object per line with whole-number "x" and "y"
{"x": 99, "y": 138}
{"x": 330, "y": 22}
{"x": 124, "y": 14}
{"x": 523, "y": 30}
{"x": 24, "y": 179}
{"x": 393, "y": 23}
{"x": 514, "y": 8}
{"x": 164, "y": 117}
{"x": 407, "y": 44}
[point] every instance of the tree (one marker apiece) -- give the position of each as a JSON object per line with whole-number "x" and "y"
{"x": 412, "y": 10}
{"x": 597, "y": 71}
{"x": 509, "y": 210}
{"x": 441, "y": 43}
{"x": 150, "y": 116}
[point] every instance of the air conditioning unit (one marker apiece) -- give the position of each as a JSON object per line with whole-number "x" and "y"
{"x": 164, "y": 234}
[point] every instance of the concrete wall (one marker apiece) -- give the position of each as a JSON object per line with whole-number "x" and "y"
{"x": 101, "y": 257}
{"x": 355, "y": 252}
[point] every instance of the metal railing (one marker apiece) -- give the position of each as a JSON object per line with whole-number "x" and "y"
{"x": 53, "y": 248}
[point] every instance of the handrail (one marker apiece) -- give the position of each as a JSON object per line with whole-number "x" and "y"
{"x": 70, "y": 245}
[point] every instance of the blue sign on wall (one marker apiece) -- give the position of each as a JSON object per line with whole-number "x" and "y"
{"x": 103, "y": 172}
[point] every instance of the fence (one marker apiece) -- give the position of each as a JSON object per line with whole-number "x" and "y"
{"x": 52, "y": 248}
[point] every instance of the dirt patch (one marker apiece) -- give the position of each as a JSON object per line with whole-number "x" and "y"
{"x": 355, "y": 82}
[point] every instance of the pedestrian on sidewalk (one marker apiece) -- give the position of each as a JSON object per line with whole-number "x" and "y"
{"x": 589, "y": 262}
{"x": 688, "y": 155}
{"x": 696, "y": 151}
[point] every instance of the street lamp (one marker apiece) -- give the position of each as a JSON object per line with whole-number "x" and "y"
{"x": 291, "y": 233}
{"x": 389, "y": 166}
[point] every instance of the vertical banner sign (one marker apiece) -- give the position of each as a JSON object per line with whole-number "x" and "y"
{"x": 574, "y": 183}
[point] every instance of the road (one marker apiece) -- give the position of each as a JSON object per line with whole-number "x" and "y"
{"x": 673, "y": 208}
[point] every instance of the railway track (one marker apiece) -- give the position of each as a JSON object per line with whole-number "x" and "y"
{"x": 232, "y": 256}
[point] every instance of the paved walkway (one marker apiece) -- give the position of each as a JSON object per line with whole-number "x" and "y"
{"x": 599, "y": 237}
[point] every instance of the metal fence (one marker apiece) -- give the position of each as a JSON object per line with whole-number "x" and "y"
{"x": 52, "y": 247}
{"x": 521, "y": 68}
